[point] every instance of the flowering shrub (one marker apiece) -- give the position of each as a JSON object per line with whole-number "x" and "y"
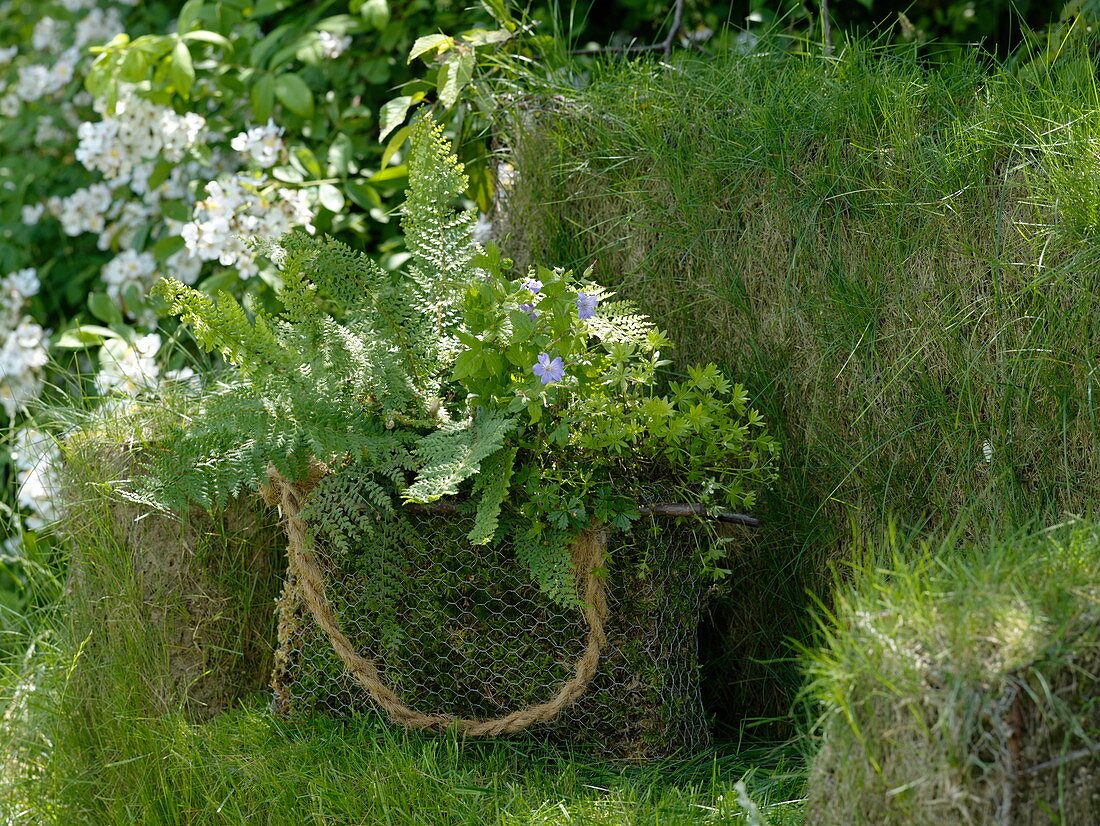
{"x": 131, "y": 156}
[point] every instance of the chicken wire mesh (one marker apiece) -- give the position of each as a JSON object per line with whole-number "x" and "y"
{"x": 462, "y": 630}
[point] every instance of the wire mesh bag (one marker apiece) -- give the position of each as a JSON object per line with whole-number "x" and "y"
{"x": 461, "y": 632}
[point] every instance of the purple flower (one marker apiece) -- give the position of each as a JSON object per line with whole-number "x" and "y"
{"x": 547, "y": 370}
{"x": 586, "y": 305}
{"x": 532, "y": 284}
{"x": 530, "y": 310}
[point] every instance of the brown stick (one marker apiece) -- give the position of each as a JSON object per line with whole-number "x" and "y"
{"x": 658, "y": 509}
{"x": 587, "y": 555}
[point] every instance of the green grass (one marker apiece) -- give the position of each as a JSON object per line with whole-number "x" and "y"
{"x": 897, "y": 257}
{"x": 105, "y": 721}
{"x": 960, "y": 685}
{"x": 247, "y": 767}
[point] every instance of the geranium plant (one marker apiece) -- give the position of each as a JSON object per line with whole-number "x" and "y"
{"x": 534, "y": 403}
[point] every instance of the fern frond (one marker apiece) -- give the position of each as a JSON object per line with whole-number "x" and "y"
{"x": 491, "y": 489}
{"x": 454, "y": 453}
{"x": 437, "y": 235}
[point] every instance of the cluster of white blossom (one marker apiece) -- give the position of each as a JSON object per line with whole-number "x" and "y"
{"x": 241, "y": 205}
{"x": 333, "y": 45}
{"x": 128, "y": 368}
{"x": 22, "y": 343}
{"x": 263, "y": 144}
{"x": 37, "y": 460}
{"x": 86, "y": 210}
{"x": 129, "y": 269}
{"x": 139, "y": 131}
{"x": 37, "y": 80}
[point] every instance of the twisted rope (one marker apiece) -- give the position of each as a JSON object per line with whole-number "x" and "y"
{"x": 586, "y": 552}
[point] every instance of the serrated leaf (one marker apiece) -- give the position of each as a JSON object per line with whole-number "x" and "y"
{"x": 423, "y": 45}
{"x": 393, "y": 114}
{"x": 453, "y": 455}
{"x": 454, "y": 77}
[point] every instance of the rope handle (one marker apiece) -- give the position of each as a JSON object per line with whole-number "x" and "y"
{"x": 586, "y": 552}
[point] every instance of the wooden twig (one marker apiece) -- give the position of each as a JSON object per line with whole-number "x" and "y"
{"x": 664, "y": 46}
{"x": 666, "y": 510}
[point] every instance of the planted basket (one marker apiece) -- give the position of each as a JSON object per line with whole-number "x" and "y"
{"x": 447, "y": 634}
{"x": 536, "y": 402}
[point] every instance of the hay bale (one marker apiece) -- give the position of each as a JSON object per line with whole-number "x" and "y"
{"x": 178, "y": 607}
{"x": 965, "y": 692}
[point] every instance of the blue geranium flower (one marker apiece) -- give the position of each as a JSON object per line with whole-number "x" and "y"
{"x": 586, "y": 305}
{"x": 549, "y": 370}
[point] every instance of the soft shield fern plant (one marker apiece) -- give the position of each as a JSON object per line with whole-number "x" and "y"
{"x": 535, "y": 404}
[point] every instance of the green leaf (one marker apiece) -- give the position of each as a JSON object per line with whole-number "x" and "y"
{"x": 393, "y": 114}
{"x": 389, "y": 174}
{"x": 423, "y": 45}
{"x": 167, "y": 247}
{"x": 210, "y": 37}
{"x": 331, "y": 198}
{"x": 86, "y": 335}
{"x": 134, "y": 66}
{"x": 375, "y": 12}
{"x": 363, "y": 194}
{"x": 104, "y": 308}
{"x": 189, "y": 15}
{"x": 396, "y": 142}
{"x": 262, "y": 94}
{"x": 339, "y": 155}
{"x": 182, "y": 70}
{"x": 293, "y": 92}
{"x": 176, "y": 210}
{"x": 303, "y": 157}
{"x": 454, "y": 77}
{"x": 480, "y": 190}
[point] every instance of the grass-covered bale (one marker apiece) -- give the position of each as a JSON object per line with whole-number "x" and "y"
{"x": 176, "y": 611}
{"x": 964, "y": 688}
{"x": 898, "y": 258}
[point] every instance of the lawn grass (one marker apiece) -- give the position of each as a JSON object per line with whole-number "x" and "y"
{"x": 248, "y": 766}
